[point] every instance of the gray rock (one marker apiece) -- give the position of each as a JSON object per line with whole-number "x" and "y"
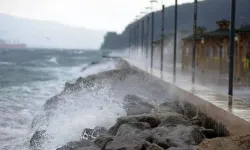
{"x": 76, "y": 145}
{"x": 91, "y": 134}
{"x": 99, "y": 131}
{"x": 127, "y": 129}
{"x": 129, "y": 121}
{"x": 129, "y": 142}
{"x": 87, "y": 134}
{"x": 154, "y": 147}
{"x": 148, "y": 118}
{"x": 209, "y": 133}
{"x": 183, "y": 148}
{"x": 135, "y": 105}
{"x": 160, "y": 135}
{"x": 167, "y": 107}
{"x": 88, "y": 148}
{"x": 38, "y": 139}
{"x": 175, "y": 120}
{"x": 102, "y": 141}
{"x": 146, "y": 135}
{"x": 177, "y": 136}
{"x": 52, "y": 103}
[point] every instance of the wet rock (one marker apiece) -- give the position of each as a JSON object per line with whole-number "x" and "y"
{"x": 113, "y": 130}
{"x": 196, "y": 122}
{"x": 87, "y": 134}
{"x": 183, "y": 148}
{"x": 209, "y": 133}
{"x": 68, "y": 86}
{"x": 91, "y": 134}
{"x": 175, "y": 120}
{"x": 172, "y": 106}
{"x": 99, "y": 131}
{"x": 102, "y": 141}
{"x": 76, "y": 145}
{"x": 36, "y": 120}
{"x": 146, "y": 135}
{"x": 135, "y": 105}
{"x": 154, "y": 121}
{"x": 129, "y": 121}
{"x": 127, "y": 129}
{"x": 128, "y": 142}
{"x": 177, "y": 136}
{"x": 89, "y": 148}
{"x": 154, "y": 147}
{"x": 52, "y": 103}
{"x": 37, "y": 139}
{"x": 167, "y": 107}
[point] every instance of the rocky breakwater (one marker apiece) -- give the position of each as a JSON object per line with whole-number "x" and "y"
{"x": 146, "y": 127}
{"x": 147, "y": 123}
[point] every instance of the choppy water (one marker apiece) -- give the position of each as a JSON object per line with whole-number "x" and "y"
{"x": 27, "y": 79}
{"x": 30, "y": 77}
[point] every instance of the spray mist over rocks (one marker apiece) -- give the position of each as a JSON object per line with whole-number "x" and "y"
{"x": 94, "y": 100}
{"x": 119, "y": 108}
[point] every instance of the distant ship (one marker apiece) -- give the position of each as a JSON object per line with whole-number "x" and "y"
{"x": 13, "y": 45}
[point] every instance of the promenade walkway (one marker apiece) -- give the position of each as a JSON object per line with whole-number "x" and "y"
{"x": 239, "y": 107}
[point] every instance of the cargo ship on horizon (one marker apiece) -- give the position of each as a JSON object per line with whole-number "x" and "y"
{"x": 13, "y": 45}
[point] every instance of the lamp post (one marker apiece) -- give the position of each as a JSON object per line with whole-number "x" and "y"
{"x": 202, "y": 53}
{"x": 194, "y": 41}
{"x": 175, "y": 38}
{"x": 142, "y": 33}
{"x": 147, "y": 34}
{"x": 162, "y": 35}
{"x": 231, "y": 52}
{"x": 152, "y": 32}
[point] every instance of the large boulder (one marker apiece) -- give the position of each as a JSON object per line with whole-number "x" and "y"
{"x": 132, "y": 122}
{"x": 77, "y": 145}
{"x": 152, "y": 119}
{"x": 175, "y": 120}
{"x": 183, "y": 148}
{"x": 102, "y": 141}
{"x": 38, "y": 139}
{"x": 154, "y": 147}
{"x": 128, "y": 142}
{"x": 91, "y": 134}
{"x": 135, "y": 105}
{"x": 178, "y": 136}
{"x": 127, "y": 129}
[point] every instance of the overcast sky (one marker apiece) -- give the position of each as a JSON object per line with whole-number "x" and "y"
{"x": 112, "y": 15}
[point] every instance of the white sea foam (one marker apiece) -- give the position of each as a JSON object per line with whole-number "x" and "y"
{"x": 6, "y": 63}
{"x": 53, "y": 60}
{"x": 78, "y": 111}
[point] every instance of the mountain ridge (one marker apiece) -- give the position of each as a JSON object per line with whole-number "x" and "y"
{"x": 209, "y": 11}
{"x": 48, "y": 34}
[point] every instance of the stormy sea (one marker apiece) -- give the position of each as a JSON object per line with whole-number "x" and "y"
{"x": 42, "y": 90}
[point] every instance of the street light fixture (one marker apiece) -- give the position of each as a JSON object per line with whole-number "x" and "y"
{"x": 202, "y": 40}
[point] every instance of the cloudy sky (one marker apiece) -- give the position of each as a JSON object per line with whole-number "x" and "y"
{"x": 106, "y": 15}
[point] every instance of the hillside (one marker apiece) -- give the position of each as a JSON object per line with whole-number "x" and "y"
{"x": 48, "y": 34}
{"x": 209, "y": 11}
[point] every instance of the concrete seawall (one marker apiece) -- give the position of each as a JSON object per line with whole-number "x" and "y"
{"x": 234, "y": 118}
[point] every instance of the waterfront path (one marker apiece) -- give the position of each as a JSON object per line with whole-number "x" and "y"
{"x": 239, "y": 107}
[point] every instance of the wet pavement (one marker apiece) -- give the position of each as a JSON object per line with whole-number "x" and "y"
{"x": 211, "y": 89}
